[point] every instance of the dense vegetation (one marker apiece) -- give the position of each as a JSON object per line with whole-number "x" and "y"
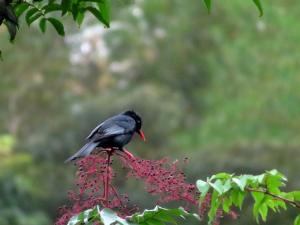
{"x": 235, "y": 107}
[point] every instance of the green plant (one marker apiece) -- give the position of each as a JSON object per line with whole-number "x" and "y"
{"x": 227, "y": 193}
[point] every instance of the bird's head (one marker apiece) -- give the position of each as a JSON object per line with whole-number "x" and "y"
{"x": 138, "y": 122}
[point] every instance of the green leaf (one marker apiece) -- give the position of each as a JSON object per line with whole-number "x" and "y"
{"x": 263, "y": 211}
{"x": 66, "y": 5}
{"x": 104, "y": 7}
{"x": 218, "y": 186}
{"x": 297, "y": 220}
{"x": 29, "y": 14}
{"x": 241, "y": 181}
{"x": 42, "y": 24}
{"x": 34, "y": 17}
{"x": 221, "y": 176}
{"x": 208, "y": 4}
{"x": 98, "y": 15}
{"x": 259, "y": 6}
{"x": 296, "y": 195}
{"x": 80, "y": 17}
{"x": 238, "y": 197}
{"x": 59, "y": 27}
{"x": 227, "y": 202}
{"x": 109, "y": 217}
{"x": 259, "y": 206}
{"x": 203, "y": 187}
{"x": 20, "y": 9}
{"x": 215, "y": 203}
{"x": 52, "y": 7}
{"x": 160, "y": 214}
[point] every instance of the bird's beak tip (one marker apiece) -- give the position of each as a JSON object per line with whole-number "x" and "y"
{"x": 142, "y": 135}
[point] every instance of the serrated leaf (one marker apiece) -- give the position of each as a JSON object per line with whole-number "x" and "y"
{"x": 159, "y": 214}
{"x": 263, "y": 211}
{"x": 221, "y": 176}
{"x": 215, "y": 203}
{"x": 109, "y": 217}
{"x": 296, "y": 195}
{"x": 259, "y": 200}
{"x": 208, "y": 4}
{"x": 217, "y": 185}
{"x": 259, "y": 6}
{"x": 238, "y": 197}
{"x": 226, "y": 204}
{"x": 59, "y": 27}
{"x": 42, "y": 24}
{"x": 241, "y": 181}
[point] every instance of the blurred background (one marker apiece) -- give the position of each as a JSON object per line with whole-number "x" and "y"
{"x": 221, "y": 89}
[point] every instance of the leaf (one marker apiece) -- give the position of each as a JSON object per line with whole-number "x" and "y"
{"x": 29, "y": 14}
{"x": 208, "y": 4}
{"x": 258, "y": 208}
{"x": 42, "y": 24}
{"x": 65, "y": 6}
{"x": 218, "y": 186}
{"x": 221, "y": 176}
{"x": 227, "y": 202}
{"x": 215, "y": 203}
{"x": 20, "y": 9}
{"x": 160, "y": 214}
{"x": 296, "y": 195}
{"x": 80, "y": 17}
{"x": 98, "y": 15}
{"x": 297, "y": 220}
{"x": 109, "y": 217}
{"x": 59, "y": 27}
{"x": 51, "y": 7}
{"x": 237, "y": 197}
{"x": 203, "y": 187}
{"x": 259, "y": 6}
{"x": 241, "y": 181}
{"x": 104, "y": 7}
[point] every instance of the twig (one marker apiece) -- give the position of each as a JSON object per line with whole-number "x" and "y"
{"x": 266, "y": 192}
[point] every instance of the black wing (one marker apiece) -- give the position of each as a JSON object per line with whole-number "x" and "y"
{"x": 117, "y": 125}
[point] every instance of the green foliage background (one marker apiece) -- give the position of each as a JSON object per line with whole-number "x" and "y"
{"x": 221, "y": 89}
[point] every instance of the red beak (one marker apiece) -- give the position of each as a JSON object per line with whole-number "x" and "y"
{"x": 142, "y": 135}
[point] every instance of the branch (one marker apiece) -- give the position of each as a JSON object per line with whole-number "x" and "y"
{"x": 266, "y": 192}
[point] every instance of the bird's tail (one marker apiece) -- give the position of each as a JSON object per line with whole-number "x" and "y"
{"x": 84, "y": 151}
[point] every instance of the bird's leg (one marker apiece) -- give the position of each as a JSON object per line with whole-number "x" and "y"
{"x": 109, "y": 153}
{"x": 128, "y": 153}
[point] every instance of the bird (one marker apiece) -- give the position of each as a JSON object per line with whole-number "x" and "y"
{"x": 113, "y": 133}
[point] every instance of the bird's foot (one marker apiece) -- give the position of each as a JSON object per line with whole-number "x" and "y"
{"x": 128, "y": 153}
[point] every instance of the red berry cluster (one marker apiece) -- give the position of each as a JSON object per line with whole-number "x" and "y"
{"x": 161, "y": 177}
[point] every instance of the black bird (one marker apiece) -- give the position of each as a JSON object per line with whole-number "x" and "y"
{"x": 113, "y": 133}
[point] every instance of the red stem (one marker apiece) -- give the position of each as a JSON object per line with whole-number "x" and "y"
{"x": 109, "y": 153}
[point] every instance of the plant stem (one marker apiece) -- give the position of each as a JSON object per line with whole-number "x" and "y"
{"x": 266, "y": 192}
